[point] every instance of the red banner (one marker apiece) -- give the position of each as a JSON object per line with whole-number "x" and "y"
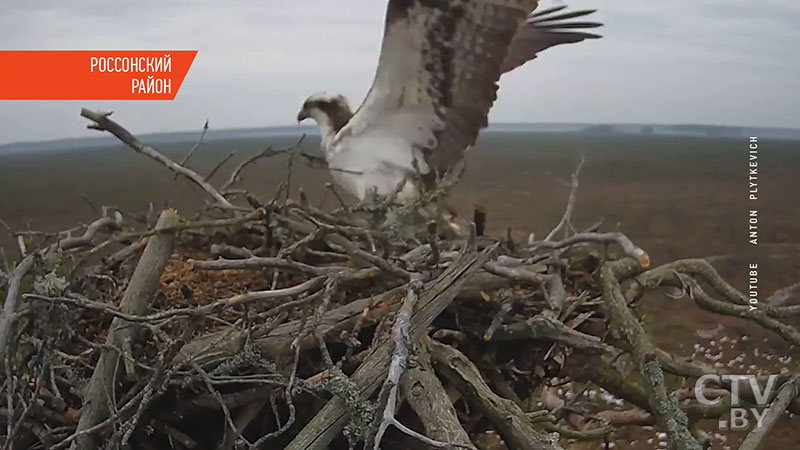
{"x": 93, "y": 75}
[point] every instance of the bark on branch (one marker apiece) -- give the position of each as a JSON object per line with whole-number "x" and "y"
{"x": 426, "y": 396}
{"x": 135, "y": 301}
{"x": 508, "y": 418}
{"x": 662, "y": 403}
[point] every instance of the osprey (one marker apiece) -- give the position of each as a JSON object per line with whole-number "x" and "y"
{"x": 436, "y": 80}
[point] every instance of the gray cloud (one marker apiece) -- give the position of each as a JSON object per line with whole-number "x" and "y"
{"x": 701, "y": 61}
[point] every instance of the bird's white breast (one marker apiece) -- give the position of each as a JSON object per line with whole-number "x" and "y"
{"x": 375, "y": 162}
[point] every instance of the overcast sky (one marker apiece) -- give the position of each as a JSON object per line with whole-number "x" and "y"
{"x": 729, "y": 62}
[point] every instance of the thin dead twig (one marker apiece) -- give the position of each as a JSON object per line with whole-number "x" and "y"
{"x": 618, "y": 238}
{"x": 565, "y": 221}
{"x": 219, "y": 165}
{"x": 388, "y": 395}
{"x": 195, "y": 146}
{"x": 103, "y": 123}
{"x": 200, "y": 311}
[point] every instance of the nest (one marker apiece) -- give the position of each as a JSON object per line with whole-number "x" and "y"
{"x": 278, "y": 325}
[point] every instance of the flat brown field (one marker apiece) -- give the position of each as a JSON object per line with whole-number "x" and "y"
{"x": 676, "y": 197}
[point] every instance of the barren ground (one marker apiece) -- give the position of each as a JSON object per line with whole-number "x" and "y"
{"x": 675, "y": 197}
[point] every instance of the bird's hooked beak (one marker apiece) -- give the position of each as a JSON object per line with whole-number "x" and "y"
{"x": 302, "y": 115}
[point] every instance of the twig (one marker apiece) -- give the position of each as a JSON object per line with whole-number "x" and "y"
{"x": 236, "y": 174}
{"x": 268, "y": 152}
{"x": 377, "y": 261}
{"x": 23, "y": 249}
{"x": 158, "y": 380}
{"x": 11, "y": 304}
{"x": 103, "y": 123}
{"x": 219, "y": 165}
{"x": 256, "y": 263}
{"x": 516, "y": 273}
{"x": 509, "y": 420}
{"x": 330, "y": 187}
{"x": 318, "y": 433}
{"x": 199, "y": 311}
{"x": 387, "y": 398}
{"x": 573, "y": 191}
{"x": 219, "y": 223}
{"x": 81, "y": 434}
{"x": 497, "y": 320}
{"x": 681, "y": 274}
{"x": 28, "y": 411}
{"x": 606, "y": 238}
{"x": 15, "y": 277}
{"x": 776, "y": 409}
{"x": 780, "y": 296}
{"x": 543, "y": 326}
{"x": 195, "y": 147}
{"x": 433, "y": 241}
{"x": 427, "y": 397}
{"x": 110, "y": 223}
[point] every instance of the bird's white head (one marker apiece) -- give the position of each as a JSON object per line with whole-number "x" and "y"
{"x": 330, "y": 111}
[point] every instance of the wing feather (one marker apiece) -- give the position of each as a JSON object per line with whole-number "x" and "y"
{"x": 438, "y": 70}
{"x": 545, "y": 29}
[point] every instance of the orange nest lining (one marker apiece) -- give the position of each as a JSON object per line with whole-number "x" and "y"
{"x": 183, "y": 286}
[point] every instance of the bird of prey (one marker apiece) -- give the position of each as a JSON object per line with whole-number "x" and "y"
{"x": 437, "y": 76}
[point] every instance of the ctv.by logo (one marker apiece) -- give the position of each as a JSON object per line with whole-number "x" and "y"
{"x": 740, "y": 417}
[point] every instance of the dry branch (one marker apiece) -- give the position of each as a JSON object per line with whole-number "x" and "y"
{"x": 196, "y": 145}
{"x": 387, "y": 399}
{"x": 11, "y": 303}
{"x": 630, "y": 249}
{"x": 427, "y": 397}
{"x": 663, "y": 404}
{"x": 103, "y": 123}
{"x": 545, "y": 327}
{"x": 27, "y": 264}
{"x": 240, "y": 299}
{"x": 777, "y": 408}
{"x": 508, "y": 418}
{"x": 435, "y": 297}
{"x": 566, "y": 219}
{"x": 139, "y": 293}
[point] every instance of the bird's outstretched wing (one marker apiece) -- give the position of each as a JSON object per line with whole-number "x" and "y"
{"x": 437, "y": 78}
{"x": 545, "y": 29}
{"x": 437, "y": 73}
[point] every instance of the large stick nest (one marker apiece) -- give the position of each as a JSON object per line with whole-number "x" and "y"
{"x": 273, "y": 324}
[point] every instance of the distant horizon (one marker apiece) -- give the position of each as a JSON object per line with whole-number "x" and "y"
{"x": 685, "y": 61}
{"x": 312, "y": 129}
